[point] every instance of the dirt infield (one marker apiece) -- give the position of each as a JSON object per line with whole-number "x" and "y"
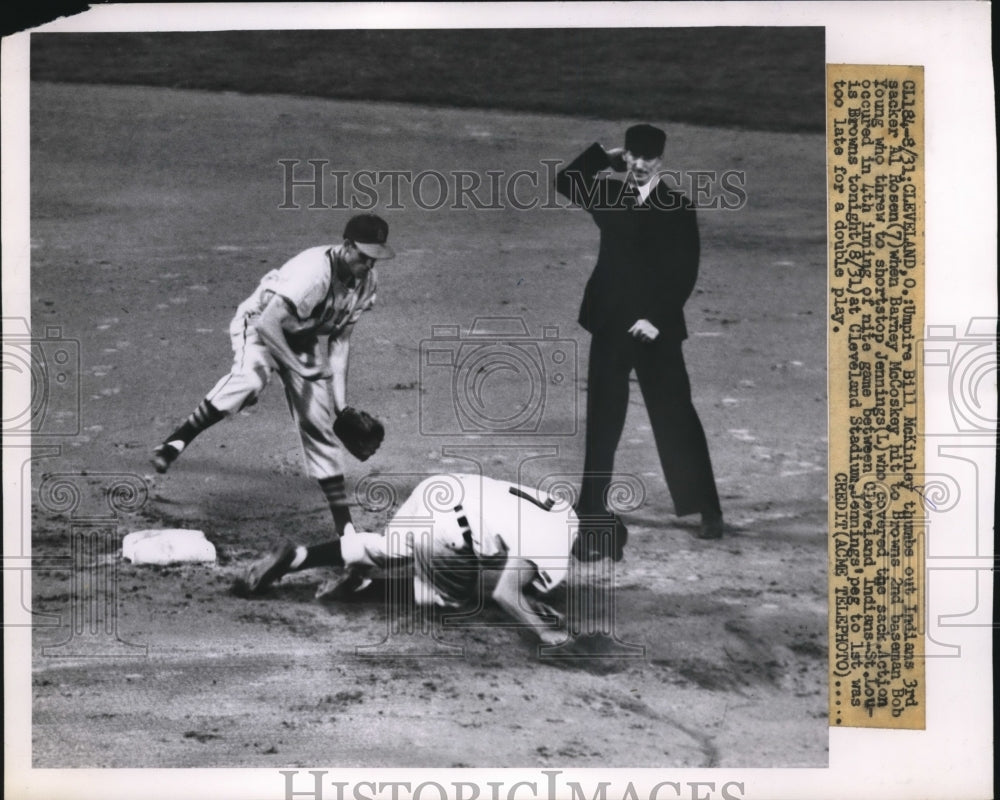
{"x": 155, "y": 211}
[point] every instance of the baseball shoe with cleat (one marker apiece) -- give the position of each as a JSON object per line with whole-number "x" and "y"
{"x": 356, "y": 580}
{"x": 266, "y": 571}
{"x": 163, "y": 456}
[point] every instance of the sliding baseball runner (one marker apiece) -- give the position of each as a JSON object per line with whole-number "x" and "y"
{"x": 452, "y": 529}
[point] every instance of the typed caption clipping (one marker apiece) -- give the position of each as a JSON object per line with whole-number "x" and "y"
{"x": 875, "y": 163}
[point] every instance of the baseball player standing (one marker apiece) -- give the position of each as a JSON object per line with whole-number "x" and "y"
{"x": 450, "y": 529}
{"x": 298, "y": 323}
{"x": 633, "y": 306}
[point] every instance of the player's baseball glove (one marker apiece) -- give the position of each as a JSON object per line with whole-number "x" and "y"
{"x": 360, "y": 432}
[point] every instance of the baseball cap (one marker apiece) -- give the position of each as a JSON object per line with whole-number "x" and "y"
{"x": 369, "y": 232}
{"x": 645, "y": 140}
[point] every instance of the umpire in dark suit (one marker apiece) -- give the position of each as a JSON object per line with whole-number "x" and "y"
{"x": 633, "y": 307}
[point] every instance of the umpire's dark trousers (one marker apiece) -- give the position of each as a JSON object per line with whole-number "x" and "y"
{"x": 680, "y": 439}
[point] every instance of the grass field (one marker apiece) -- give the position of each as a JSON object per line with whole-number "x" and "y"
{"x": 753, "y": 78}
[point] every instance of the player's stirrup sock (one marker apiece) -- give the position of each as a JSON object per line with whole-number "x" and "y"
{"x": 204, "y": 416}
{"x": 326, "y": 554}
{"x": 336, "y": 495}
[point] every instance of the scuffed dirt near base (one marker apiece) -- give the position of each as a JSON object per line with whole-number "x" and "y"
{"x": 716, "y": 675}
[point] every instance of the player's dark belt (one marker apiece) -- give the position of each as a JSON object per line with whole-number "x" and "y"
{"x": 482, "y": 562}
{"x": 463, "y": 523}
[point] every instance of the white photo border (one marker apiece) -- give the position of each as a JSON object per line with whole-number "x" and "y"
{"x": 952, "y": 758}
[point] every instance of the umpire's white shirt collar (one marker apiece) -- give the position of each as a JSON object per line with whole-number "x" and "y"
{"x": 646, "y": 189}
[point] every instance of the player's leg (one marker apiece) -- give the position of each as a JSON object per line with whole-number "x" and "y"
{"x": 169, "y": 450}
{"x": 288, "y": 557}
{"x": 251, "y": 370}
{"x": 678, "y": 432}
{"x": 309, "y": 403}
{"x": 363, "y": 553}
{"x": 360, "y": 552}
{"x": 607, "y": 405}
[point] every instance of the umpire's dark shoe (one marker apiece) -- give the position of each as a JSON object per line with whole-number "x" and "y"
{"x": 599, "y": 539}
{"x": 163, "y": 456}
{"x": 711, "y": 526}
{"x": 269, "y": 569}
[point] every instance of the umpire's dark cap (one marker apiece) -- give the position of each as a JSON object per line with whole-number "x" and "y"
{"x": 645, "y": 140}
{"x": 369, "y": 233}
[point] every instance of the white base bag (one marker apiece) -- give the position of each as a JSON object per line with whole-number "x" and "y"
{"x": 167, "y": 546}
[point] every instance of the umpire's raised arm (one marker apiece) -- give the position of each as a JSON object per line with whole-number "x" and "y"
{"x": 578, "y": 181}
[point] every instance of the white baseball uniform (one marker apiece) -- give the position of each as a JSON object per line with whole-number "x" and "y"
{"x": 324, "y": 307}
{"x": 450, "y": 517}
